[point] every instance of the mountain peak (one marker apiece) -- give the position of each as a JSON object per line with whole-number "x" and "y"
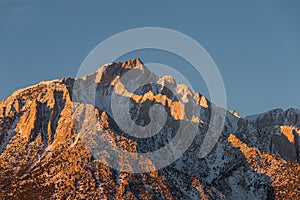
{"x": 55, "y": 139}
{"x": 132, "y": 63}
{"x": 128, "y": 64}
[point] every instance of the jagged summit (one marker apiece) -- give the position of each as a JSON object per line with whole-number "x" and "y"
{"x": 129, "y": 64}
{"x": 44, "y": 152}
{"x": 132, "y": 63}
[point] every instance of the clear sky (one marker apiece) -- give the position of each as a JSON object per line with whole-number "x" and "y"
{"x": 255, "y": 44}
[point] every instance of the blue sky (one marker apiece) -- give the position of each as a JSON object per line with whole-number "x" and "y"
{"x": 255, "y": 44}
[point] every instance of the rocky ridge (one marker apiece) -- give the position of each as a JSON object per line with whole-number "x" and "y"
{"x": 44, "y": 152}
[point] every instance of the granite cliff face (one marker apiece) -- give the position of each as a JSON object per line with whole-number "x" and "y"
{"x": 45, "y": 147}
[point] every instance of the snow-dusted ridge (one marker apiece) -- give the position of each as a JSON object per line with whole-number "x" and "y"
{"x": 257, "y": 157}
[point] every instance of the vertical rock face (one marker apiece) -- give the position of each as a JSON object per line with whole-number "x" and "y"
{"x": 48, "y": 152}
{"x": 276, "y": 132}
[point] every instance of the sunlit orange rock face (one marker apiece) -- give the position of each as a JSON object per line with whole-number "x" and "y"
{"x": 45, "y": 148}
{"x": 285, "y": 175}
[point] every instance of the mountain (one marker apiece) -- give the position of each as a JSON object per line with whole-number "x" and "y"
{"x": 52, "y": 141}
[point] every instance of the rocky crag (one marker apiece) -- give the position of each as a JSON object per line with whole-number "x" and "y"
{"x": 44, "y": 153}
